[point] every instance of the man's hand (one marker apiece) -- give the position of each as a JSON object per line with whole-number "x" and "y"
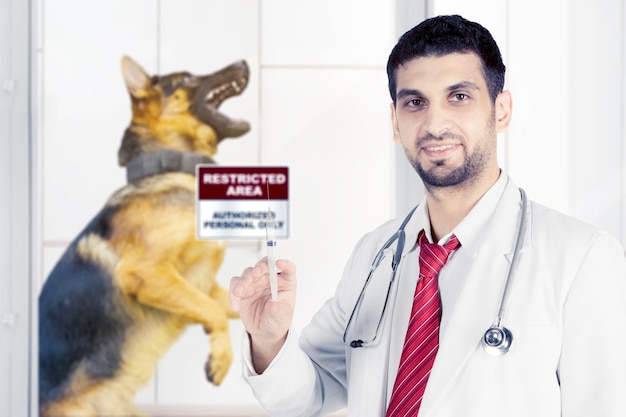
{"x": 267, "y": 322}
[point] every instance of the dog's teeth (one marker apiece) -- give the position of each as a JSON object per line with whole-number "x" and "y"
{"x": 220, "y": 93}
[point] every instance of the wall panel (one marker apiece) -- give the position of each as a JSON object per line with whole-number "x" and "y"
{"x": 85, "y": 104}
{"x": 326, "y": 32}
{"x": 15, "y": 209}
{"x": 538, "y": 79}
{"x": 596, "y": 112}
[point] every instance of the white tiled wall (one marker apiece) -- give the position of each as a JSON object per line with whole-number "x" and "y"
{"x": 317, "y": 102}
{"x": 347, "y": 33}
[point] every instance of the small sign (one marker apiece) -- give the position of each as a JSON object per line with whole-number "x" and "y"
{"x": 238, "y": 202}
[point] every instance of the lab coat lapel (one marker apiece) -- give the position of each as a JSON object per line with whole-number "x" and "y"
{"x": 408, "y": 273}
{"x": 471, "y": 305}
{"x": 376, "y": 364}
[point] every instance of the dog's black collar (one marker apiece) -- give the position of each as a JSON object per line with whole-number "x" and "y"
{"x": 164, "y": 161}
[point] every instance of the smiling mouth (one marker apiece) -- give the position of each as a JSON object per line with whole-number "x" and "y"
{"x": 440, "y": 151}
{"x": 439, "y": 148}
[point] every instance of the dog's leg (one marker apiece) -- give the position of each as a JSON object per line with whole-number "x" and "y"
{"x": 220, "y": 294}
{"x": 171, "y": 293}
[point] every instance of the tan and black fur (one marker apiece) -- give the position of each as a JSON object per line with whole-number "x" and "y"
{"x": 136, "y": 276}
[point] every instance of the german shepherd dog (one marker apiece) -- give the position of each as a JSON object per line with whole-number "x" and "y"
{"x": 136, "y": 276}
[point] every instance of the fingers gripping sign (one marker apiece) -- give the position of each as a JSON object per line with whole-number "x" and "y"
{"x": 267, "y": 322}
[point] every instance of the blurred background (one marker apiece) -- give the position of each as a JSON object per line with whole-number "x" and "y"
{"x": 317, "y": 102}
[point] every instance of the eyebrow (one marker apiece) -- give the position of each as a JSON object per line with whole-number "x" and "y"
{"x": 463, "y": 85}
{"x": 406, "y": 92}
{"x": 412, "y": 92}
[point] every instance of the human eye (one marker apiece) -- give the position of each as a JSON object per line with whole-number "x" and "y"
{"x": 415, "y": 103}
{"x": 459, "y": 97}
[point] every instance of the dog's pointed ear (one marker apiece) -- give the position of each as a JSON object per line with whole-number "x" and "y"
{"x": 136, "y": 78}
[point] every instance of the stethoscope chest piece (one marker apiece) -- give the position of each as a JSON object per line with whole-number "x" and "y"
{"x": 497, "y": 340}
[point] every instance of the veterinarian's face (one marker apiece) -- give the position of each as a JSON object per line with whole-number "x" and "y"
{"x": 445, "y": 120}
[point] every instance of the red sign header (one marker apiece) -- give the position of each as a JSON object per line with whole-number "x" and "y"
{"x": 242, "y": 183}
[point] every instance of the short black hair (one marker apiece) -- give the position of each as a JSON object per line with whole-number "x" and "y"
{"x": 444, "y": 35}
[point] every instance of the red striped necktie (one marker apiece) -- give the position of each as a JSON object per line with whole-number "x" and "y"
{"x": 422, "y": 336}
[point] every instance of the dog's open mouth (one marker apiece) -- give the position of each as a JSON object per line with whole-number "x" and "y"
{"x": 222, "y": 92}
{"x": 228, "y": 82}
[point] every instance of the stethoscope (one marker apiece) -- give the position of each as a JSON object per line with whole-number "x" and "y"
{"x": 497, "y": 339}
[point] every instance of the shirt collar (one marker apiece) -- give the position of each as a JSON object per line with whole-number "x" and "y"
{"x": 468, "y": 231}
{"x": 471, "y": 229}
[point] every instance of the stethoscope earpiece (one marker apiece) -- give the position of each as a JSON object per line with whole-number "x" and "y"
{"x": 497, "y": 340}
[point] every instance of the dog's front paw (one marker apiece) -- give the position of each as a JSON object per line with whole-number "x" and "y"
{"x": 215, "y": 370}
{"x": 219, "y": 360}
{"x": 209, "y": 372}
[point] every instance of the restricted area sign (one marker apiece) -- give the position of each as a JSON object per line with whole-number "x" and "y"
{"x": 239, "y": 202}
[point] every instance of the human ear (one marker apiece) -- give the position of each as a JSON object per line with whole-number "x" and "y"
{"x": 504, "y": 110}
{"x": 394, "y": 124}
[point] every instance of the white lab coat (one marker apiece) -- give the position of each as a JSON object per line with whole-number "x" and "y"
{"x": 566, "y": 311}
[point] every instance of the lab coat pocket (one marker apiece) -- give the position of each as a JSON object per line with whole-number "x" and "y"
{"x": 538, "y": 346}
{"x": 529, "y": 370}
{"x": 367, "y": 380}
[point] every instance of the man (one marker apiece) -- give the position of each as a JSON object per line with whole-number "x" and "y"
{"x": 565, "y": 306}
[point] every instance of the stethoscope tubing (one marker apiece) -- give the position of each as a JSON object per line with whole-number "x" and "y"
{"x": 521, "y": 231}
{"x": 494, "y": 348}
{"x": 400, "y": 237}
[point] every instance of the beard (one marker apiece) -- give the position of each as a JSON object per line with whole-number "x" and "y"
{"x": 441, "y": 175}
{"x": 474, "y": 164}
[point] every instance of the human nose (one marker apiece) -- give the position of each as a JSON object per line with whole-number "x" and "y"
{"x": 437, "y": 121}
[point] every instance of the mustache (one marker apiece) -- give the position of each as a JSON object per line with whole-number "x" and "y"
{"x": 429, "y": 137}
